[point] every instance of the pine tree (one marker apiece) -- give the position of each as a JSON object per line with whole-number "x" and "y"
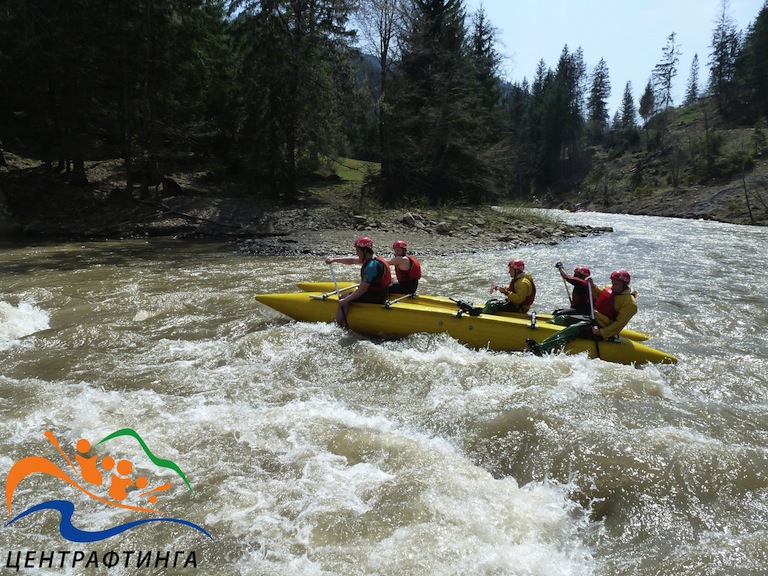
{"x": 436, "y": 151}
{"x": 91, "y": 79}
{"x": 627, "y": 117}
{"x": 517, "y": 105}
{"x": 751, "y": 69}
{"x": 597, "y": 102}
{"x": 722, "y": 63}
{"x": 543, "y": 140}
{"x": 490, "y": 137}
{"x": 570, "y": 78}
{"x": 692, "y": 90}
{"x": 557, "y": 119}
{"x": 485, "y": 60}
{"x": 647, "y": 104}
{"x": 297, "y": 69}
{"x": 664, "y": 74}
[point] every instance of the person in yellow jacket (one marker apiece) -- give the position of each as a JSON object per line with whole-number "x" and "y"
{"x": 520, "y": 293}
{"x": 614, "y": 306}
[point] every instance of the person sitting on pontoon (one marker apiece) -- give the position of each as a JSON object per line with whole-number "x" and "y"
{"x": 520, "y": 293}
{"x": 580, "y": 301}
{"x": 375, "y": 278}
{"x": 407, "y": 269}
{"x": 615, "y": 306}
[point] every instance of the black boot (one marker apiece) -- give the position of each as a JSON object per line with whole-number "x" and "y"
{"x": 533, "y": 347}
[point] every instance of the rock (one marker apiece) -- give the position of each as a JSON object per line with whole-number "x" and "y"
{"x": 38, "y": 228}
{"x": 444, "y": 228}
{"x": 8, "y": 227}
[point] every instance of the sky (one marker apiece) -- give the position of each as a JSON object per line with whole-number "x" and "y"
{"x": 629, "y": 35}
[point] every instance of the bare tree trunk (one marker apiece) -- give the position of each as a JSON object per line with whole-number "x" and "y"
{"x": 126, "y": 119}
{"x": 79, "y": 177}
{"x": 746, "y": 196}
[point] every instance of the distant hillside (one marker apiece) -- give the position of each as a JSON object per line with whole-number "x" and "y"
{"x": 694, "y": 167}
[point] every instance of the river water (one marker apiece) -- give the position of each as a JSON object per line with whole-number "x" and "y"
{"x": 314, "y": 451}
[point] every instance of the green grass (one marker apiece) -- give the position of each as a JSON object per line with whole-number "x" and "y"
{"x": 355, "y": 170}
{"x": 530, "y": 215}
{"x": 687, "y": 116}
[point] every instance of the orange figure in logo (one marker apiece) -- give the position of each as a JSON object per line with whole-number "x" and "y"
{"x": 88, "y": 469}
{"x": 118, "y": 484}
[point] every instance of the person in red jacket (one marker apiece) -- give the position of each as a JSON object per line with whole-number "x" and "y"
{"x": 615, "y": 306}
{"x": 580, "y": 301}
{"x": 375, "y": 278}
{"x": 407, "y": 269}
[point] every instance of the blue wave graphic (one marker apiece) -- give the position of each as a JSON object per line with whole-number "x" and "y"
{"x": 73, "y": 534}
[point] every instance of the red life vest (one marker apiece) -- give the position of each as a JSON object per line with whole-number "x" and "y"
{"x": 580, "y": 290}
{"x": 605, "y": 304}
{"x": 528, "y": 301}
{"x": 383, "y": 279}
{"x": 413, "y": 273}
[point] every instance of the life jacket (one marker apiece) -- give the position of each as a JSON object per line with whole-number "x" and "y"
{"x": 528, "y": 301}
{"x": 413, "y": 273}
{"x": 531, "y": 297}
{"x": 383, "y": 278}
{"x": 580, "y": 290}
{"x": 605, "y": 304}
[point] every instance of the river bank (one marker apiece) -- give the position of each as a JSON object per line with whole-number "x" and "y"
{"x": 323, "y": 220}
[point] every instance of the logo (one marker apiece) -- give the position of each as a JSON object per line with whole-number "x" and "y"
{"x": 100, "y": 478}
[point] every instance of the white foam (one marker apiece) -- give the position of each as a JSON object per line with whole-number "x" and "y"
{"x": 362, "y": 492}
{"x": 19, "y": 321}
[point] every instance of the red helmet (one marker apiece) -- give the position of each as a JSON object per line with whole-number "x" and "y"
{"x": 517, "y": 264}
{"x": 364, "y": 242}
{"x": 622, "y": 275}
{"x": 582, "y": 271}
{"x": 400, "y": 244}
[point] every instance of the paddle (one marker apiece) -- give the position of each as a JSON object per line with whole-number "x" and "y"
{"x": 559, "y": 267}
{"x": 570, "y": 300}
{"x": 336, "y": 285}
{"x": 333, "y": 277}
{"x": 592, "y": 314}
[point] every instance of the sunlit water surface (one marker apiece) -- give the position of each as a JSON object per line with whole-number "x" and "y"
{"x": 315, "y": 451}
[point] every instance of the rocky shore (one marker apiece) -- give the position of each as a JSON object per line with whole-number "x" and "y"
{"x": 328, "y": 232}
{"x": 323, "y": 221}
{"x": 320, "y": 230}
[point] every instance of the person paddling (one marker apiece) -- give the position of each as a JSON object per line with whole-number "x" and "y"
{"x": 614, "y": 307}
{"x": 407, "y": 269}
{"x": 580, "y": 280}
{"x": 375, "y": 278}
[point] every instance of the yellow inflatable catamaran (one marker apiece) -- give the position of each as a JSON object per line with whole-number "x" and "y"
{"x": 401, "y": 316}
{"x": 450, "y": 303}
